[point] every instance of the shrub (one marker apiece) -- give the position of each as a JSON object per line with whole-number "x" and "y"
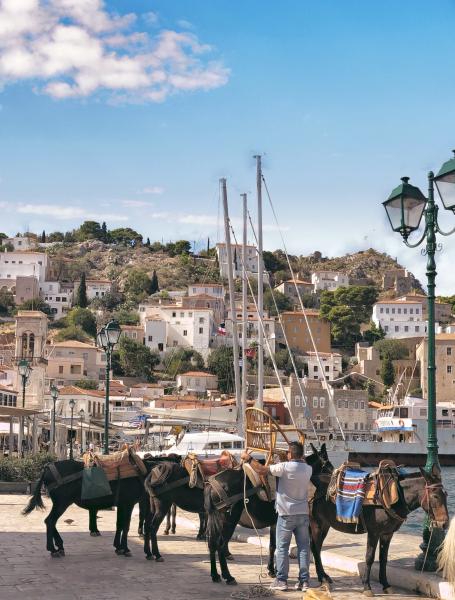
{"x": 24, "y": 469}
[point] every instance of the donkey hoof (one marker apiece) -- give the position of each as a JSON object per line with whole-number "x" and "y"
{"x": 127, "y": 553}
{"x": 216, "y": 578}
{"x": 388, "y": 590}
{"x": 271, "y": 574}
{"x": 368, "y": 593}
{"x": 328, "y": 580}
{"x": 94, "y": 534}
{"x": 173, "y": 531}
{"x": 231, "y": 581}
{"x": 56, "y": 554}
{"x": 159, "y": 559}
{"x": 61, "y": 551}
{"x": 230, "y": 557}
{"x": 166, "y": 532}
{"x": 119, "y": 551}
{"x": 149, "y": 557}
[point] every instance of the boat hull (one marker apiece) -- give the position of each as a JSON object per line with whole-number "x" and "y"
{"x": 372, "y": 459}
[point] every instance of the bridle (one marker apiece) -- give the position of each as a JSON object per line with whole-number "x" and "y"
{"x": 429, "y": 509}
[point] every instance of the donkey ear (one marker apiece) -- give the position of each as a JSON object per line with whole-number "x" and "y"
{"x": 313, "y": 448}
{"x": 423, "y": 472}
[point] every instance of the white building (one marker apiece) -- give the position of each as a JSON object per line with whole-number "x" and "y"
{"x": 251, "y": 260}
{"x": 252, "y": 328}
{"x": 400, "y": 318}
{"x": 57, "y": 296}
{"x": 329, "y": 280}
{"x": 331, "y": 365}
{"x": 24, "y": 264}
{"x": 197, "y": 382}
{"x": 20, "y": 243}
{"x": 216, "y": 290}
{"x": 96, "y": 288}
{"x": 155, "y": 334}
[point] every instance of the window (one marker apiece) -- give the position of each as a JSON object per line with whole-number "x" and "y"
{"x": 406, "y": 328}
{"x": 175, "y": 343}
{"x": 397, "y": 328}
{"x": 393, "y": 311}
{"x": 201, "y": 319}
{"x": 160, "y": 347}
{"x": 387, "y": 311}
{"x": 417, "y": 311}
{"x": 386, "y": 328}
{"x": 315, "y": 402}
{"x": 399, "y": 311}
{"x": 411, "y": 311}
{"x": 182, "y": 314}
{"x": 449, "y": 351}
{"x": 150, "y": 338}
{"x": 445, "y": 412}
{"x": 321, "y": 402}
{"x": 340, "y": 403}
{"x": 405, "y": 310}
{"x": 362, "y": 404}
{"x": 356, "y": 404}
{"x": 60, "y": 369}
{"x": 327, "y": 368}
{"x": 381, "y": 310}
{"x": 315, "y": 368}
{"x": 346, "y": 404}
{"x": 449, "y": 368}
{"x": 417, "y": 328}
{"x": 174, "y": 314}
{"x": 297, "y": 400}
{"x": 185, "y": 332}
{"x": 201, "y": 330}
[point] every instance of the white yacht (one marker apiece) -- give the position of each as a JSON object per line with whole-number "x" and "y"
{"x": 400, "y": 433}
{"x": 206, "y": 443}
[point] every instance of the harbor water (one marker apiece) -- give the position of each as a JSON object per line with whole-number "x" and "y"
{"x": 414, "y": 522}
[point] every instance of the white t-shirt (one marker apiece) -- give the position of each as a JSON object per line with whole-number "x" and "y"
{"x": 292, "y": 490}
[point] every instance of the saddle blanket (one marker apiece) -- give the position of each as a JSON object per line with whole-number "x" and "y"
{"x": 350, "y": 495}
{"x": 121, "y": 465}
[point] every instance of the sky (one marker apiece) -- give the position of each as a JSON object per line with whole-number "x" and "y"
{"x": 130, "y": 111}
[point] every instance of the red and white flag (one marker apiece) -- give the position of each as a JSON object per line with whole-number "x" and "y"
{"x": 221, "y": 329}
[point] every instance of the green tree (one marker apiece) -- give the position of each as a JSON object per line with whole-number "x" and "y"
{"x": 8, "y": 247}
{"x": 284, "y": 363}
{"x": 81, "y": 298}
{"x": 136, "y": 360}
{"x": 104, "y": 232}
{"x": 182, "y": 247}
{"x": 387, "y": 372}
{"x": 86, "y": 384}
{"x": 3, "y": 236}
{"x": 154, "y": 287}
{"x": 36, "y": 304}
{"x": 89, "y": 230}
{"x": 221, "y": 364}
{"x": 83, "y": 318}
{"x": 182, "y": 360}
{"x": 392, "y": 349}
{"x": 345, "y": 326}
{"x": 125, "y": 316}
{"x": 56, "y": 236}
{"x": 374, "y": 334}
{"x": 43, "y": 237}
{"x": 7, "y": 303}
{"x": 282, "y": 302}
{"x": 125, "y": 236}
{"x": 137, "y": 285}
{"x": 109, "y": 301}
{"x": 72, "y": 332}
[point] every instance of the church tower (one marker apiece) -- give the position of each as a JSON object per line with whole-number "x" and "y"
{"x": 31, "y": 334}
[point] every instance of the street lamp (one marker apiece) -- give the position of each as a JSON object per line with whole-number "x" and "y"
{"x": 24, "y": 371}
{"x": 81, "y": 416}
{"x": 107, "y": 338}
{"x": 405, "y": 208}
{"x": 54, "y": 396}
{"x": 72, "y": 404}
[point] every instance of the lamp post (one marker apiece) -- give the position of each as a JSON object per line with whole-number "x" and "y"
{"x": 405, "y": 208}
{"x": 24, "y": 372}
{"x": 54, "y": 395}
{"x": 81, "y": 416}
{"x": 72, "y": 404}
{"x": 107, "y": 338}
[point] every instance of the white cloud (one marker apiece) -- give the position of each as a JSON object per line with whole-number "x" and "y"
{"x": 153, "y": 189}
{"x": 66, "y": 213}
{"x": 184, "y": 24}
{"x": 151, "y": 18}
{"x": 77, "y": 48}
{"x": 135, "y": 203}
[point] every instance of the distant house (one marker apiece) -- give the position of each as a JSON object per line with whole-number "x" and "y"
{"x": 70, "y": 361}
{"x": 288, "y": 289}
{"x": 400, "y": 318}
{"x": 134, "y": 332}
{"x": 197, "y": 382}
{"x": 96, "y": 288}
{"x": 329, "y": 280}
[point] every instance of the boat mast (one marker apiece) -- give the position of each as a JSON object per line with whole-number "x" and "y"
{"x": 260, "y": 396}
{"x": 235, "y": 341}
{"x": 244, "y": 305}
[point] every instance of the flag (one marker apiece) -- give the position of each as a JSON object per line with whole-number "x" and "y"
{"x": 221, "y": 329}
{"x": 138, "y": 421}
{"x": 250, "y": 352}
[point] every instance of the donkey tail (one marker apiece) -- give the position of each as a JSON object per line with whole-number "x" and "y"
{"x": 35, "y": 501}
{"x": 215, "y": 520}
{"x": 446, "y": 560}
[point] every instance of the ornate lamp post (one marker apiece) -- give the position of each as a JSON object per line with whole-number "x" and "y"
{"x": 405, "y": 208}
{"x": 82, "y": 416}
{"x": 107, "y": 338}
{"x": 72, "y": 404}
{"x": 24, "y": 372}
{"x": 54, "y": 395}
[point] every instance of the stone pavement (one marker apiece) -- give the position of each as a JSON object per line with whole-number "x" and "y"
{"x": 91, "y": 570}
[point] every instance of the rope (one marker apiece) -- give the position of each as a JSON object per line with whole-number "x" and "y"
{"x": 254, "y": 591}
{"x": 327, "y": 387}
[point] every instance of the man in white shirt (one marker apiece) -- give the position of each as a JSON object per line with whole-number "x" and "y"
{"x": 292, "y": 508}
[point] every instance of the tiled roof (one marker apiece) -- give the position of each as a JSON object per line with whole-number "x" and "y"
{"x": 197, "y": 374}
{"x": 72, "y": 390}
{"x": 74, "y": 344}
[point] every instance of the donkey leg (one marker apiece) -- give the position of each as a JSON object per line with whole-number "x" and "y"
{"x": 118, "y": 531}
{"x": 173, "y": 517}
{"x": 52, "y": 533}
{"x": 126, "y": 528}
{"x": 142, "y": 512}
{"x": 225, "y": 574}
{"x": 384, "y": 543}
{"x": 271, "y": 569}
{"x": 147, "y": 528}
{"x": 372, "y": 543}
{"x": 161, "y": 509}
{"x": 213, "y": 570}
{"x": 318, "y": 535}
{"x": 168, "y": 523}
{"x": 202, "y": 526}
{"x": 92, "y": 522}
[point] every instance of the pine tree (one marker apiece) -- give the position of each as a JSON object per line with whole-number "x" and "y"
{"x": 208, "y": 245}
{"x": 155, "y": 287}
{"x": 43, "y": 237}
{"x": 81, "y": 299}
{"x": 104, "y": 232}
{"x": 147, "y": 243}
{"x": 387, "y": 372}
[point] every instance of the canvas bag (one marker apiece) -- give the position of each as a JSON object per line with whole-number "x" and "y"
{"x": 94, "y": 484}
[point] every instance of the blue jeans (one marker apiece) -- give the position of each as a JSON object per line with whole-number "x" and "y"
{"x": 285, "y": 527}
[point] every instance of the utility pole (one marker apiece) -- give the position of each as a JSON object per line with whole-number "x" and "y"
{"x": 244, "y": 306}
{"x": 260, "y": 309}
{"x": 235, "y": 340}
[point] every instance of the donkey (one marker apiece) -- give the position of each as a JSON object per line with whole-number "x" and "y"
{"x": 231, "y": 488}
{"x": 422, "y": 489}
{"x": 125, "y": 494}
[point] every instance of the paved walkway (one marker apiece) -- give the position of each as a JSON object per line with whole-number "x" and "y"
{"x": 91, "y": 570}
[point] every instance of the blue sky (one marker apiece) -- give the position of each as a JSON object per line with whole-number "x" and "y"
{"x": 130, "y": 111}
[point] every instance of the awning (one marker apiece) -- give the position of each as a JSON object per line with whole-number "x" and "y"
{"x": 14, "y": 411}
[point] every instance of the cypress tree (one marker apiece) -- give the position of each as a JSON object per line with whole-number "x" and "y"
{"x": 147, "y": 243}
{"x": 43, "y": 237}
{"x": 387, "y": 372}
{"x": 81, "y": 299}
{"x": 155, "y": 287}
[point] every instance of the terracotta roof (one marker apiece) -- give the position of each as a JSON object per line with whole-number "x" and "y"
{"x": 72, "y": 390}
{"x": 122, "y": 327}
{"x": 309, "y": 312}
{"x": 197, "y": 374}
{"x": 74, "y": 344}
{"x": 299, "y": 281}
{"x": 399, "y": 302}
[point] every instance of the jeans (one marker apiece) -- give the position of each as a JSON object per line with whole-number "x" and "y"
{"x": 286, "y": 526}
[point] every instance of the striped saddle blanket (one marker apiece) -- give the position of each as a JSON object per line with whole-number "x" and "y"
{"x": 350, "y": 493}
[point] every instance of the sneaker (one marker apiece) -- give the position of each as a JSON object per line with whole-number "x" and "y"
{"x": 281, "y": 586}
{"x": 301, "y": 586}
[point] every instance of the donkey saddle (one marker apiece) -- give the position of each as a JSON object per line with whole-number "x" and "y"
{"x": 121, "y": 465}
{"x": 200, "y": 469}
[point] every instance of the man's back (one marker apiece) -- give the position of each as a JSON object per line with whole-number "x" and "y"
{"x": 292, "y": 491}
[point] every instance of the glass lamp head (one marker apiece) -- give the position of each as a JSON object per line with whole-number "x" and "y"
{"x": 113, "y": 332}
{"x": 54, "y": 392}
{"x": 72, "y": 404}
{"x": 445, "y": 183}
{"x": 24, "y": 368}
{"x": 405, "y": 207}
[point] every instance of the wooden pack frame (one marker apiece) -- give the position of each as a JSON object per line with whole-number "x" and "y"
{"x": 263, "y": 433}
